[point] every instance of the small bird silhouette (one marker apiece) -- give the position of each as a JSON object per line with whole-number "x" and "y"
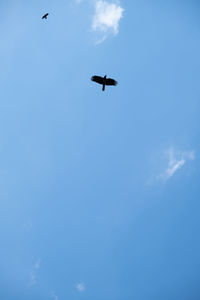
{"x": 104, "y": 81}
{"x": 45, "y": 16}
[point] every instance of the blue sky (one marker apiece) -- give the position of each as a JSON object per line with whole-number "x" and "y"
{"x": 99, "y": 191}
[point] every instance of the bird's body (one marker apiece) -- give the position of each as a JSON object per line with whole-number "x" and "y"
{"x": 45, "y": 16}
{"x": 104, "y": 81}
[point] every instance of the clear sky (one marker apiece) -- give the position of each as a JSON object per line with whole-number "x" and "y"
{"x": 99, "y": 191}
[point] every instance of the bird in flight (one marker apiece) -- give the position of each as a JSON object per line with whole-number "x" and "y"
{"x": 45, "y": 16}
{"x": 104, "y": 81}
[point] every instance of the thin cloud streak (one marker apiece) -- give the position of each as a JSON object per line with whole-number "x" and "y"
{"x": 176, "y": 160}
{"x": 33, "y": 274}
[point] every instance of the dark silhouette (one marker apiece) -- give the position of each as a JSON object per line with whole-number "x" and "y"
{"x": 45, "y": 16}
{"x": 104, "y": 81}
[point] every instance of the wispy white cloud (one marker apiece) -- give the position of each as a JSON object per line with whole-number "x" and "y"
{"x": 176, "y": 160}
{"x": 80, "y": 286}
{"x": 106, "y": 19}
{"x": 33, "y": 273}
{"x": 54, "y": 296}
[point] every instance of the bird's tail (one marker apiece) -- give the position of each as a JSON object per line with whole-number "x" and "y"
{"x": 103, "y": 88}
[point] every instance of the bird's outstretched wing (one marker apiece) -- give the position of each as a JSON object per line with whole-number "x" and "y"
{"x": 45, "y": 16}
{"x": 97, "y": 79}
{"x": 110, "y": 81}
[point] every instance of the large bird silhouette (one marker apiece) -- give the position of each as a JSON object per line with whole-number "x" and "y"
{"x": 45, "y": 16}
{"x": 104, "y": 81}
